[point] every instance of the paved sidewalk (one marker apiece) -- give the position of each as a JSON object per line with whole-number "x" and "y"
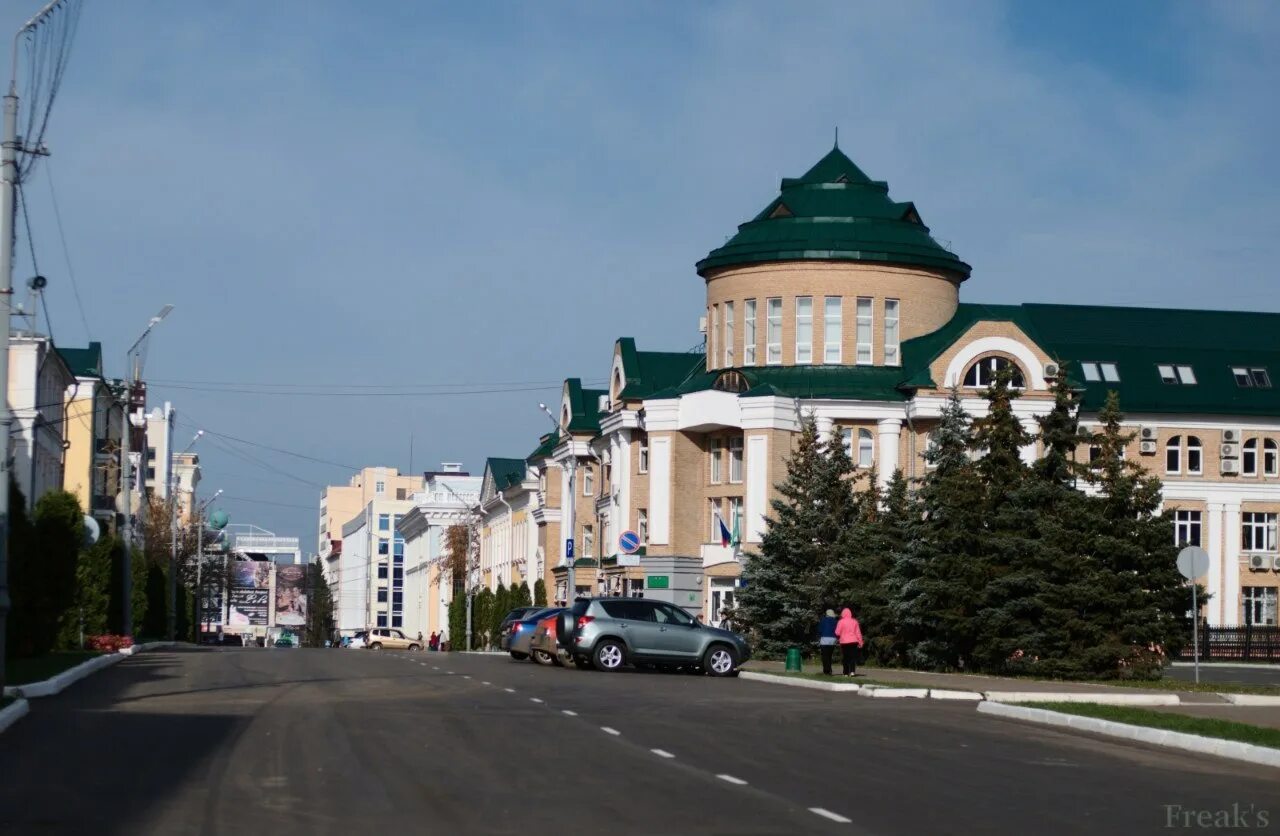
{"x": 1194, "y": 703}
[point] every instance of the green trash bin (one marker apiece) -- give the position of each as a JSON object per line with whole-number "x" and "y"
{"x": 793, "y": 659}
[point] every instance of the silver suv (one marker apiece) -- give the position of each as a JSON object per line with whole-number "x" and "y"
{"x": 608, "y": 633}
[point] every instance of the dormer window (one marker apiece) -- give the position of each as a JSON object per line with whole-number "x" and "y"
{"x": 1248, "y": 377}
{"x": 1176, "y": 375}
{"x": 1094, "y": 371}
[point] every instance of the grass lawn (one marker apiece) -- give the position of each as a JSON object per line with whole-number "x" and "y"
{"x": 40, "y": 668}
{"x": 1206, "y": 726}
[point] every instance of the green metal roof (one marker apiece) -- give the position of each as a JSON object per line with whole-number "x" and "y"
{"x": 505, "y": 472}
{"x": 1137, "y": 340}
{"x": 546, "y": 444}
{"x": 835, "y": 213}
{"x": 584, "y": 407}
{"x": 651, "y": 371}
{"x": 84, "y": 362}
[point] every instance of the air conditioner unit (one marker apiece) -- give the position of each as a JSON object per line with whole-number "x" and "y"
{"x": 1147, "y": 448}
{"x": 602, "y": 403}
{"x": 1147, "y": 432}
{"x": 1231, "y": 436}
{"x": 1230, "y": 465}
{"x": 702, "y": 325}
{"x": 1275, "y": 563}
{"x": 1259, "y": 561}
{"x": 1051, "y": 370}
{"x": 1229, "y": 451}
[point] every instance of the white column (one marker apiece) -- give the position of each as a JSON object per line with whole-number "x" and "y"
{"x": 622, "y": 475}
{"x": 1028, "y": 453}
{"x": 1214, "y": 546}
{"x": 825, "y": 425}
{"x": 1231, "y": 564}
{"x": 660, "y": 490}
{"x": 757, "y": 487}
{"x": 890, "y": 435}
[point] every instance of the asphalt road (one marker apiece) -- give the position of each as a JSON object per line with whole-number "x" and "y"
{"x": 344, "y": 742}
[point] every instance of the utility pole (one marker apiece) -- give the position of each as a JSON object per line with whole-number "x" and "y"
{"x": 9, "y": 175}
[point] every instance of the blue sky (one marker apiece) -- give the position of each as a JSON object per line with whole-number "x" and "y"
{"x": 404, "y": 193}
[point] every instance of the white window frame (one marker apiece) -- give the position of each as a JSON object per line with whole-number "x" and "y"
{"x": 713, "y": 523}
{"x": 988, "y": 367}
{"x": 588, "y": 541}
{"x": 892, "y": 332}
{"x": 713, "y": 332}
{"x": 1186, "y": 375}
{"x": 804, "y": 330}
{"x": 1264, "y": 601}
{"x": 1257, "y": 527}
{"x": 749, "y": 332}
{"x": 728, "y": 334}
{"x": 588, "y": 481}
{"x": 864, "y": 320}
{"x": 1249, "y": 458}
{"x": 1195, "y": 456}
{"x": 1270, "y": 457}
{"x": 735, "y": 461}
{"x": 1110, "y": 372}
{"x": 735, "y": 515}
{"x": 715, "y": 453}
{"x": 1089, "y": 369}
{"x": 642, "y": 458}
{"x": 1186, "y": 523}
{"x": 846, "y": 441}
{"x": 642, "y": 525}
{"x": 773, "y": 331}
{"x": 866, "y": 449}
{"x": 832, "y": 328}
{"x": 1173, "y": 447}
{"x": 379, "y": 487}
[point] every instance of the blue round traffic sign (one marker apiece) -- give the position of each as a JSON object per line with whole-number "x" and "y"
{"x": 629, "y": 542}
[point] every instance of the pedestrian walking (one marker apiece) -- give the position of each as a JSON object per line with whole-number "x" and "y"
{"x": 827, "y": 640}
{"x": 849, "y": 634}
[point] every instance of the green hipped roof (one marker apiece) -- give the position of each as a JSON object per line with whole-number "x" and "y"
{"x": 546, "y": 445}
{"x": 651, "y": 371}
{"x": 84, "y": 362}
{"x": 505, "y": 472}
{"x": 584, "y": 407}
{"x": 835, "y": 213}
{"x": 1135, "y": 339}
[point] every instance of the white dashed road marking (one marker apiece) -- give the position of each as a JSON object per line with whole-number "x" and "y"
{"x": 569, "y": 713}
{"x": 464, "y": 676}
{"x": 509, "y": 690}
{"x": 731, "y": 779}
{"x": 662, "y": 753}
{"x": 485, "y": 683}
{"x": 608, "y": 730}
{"x": 434, "y": 668}
{"x": 827, "y": 814}
{"x": 534, "y": 699}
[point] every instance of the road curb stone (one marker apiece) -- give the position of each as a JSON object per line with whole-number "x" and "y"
{"x": 13, "y": 713}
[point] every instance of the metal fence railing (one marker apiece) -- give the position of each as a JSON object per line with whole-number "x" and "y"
{"x": 1239, "y": 643}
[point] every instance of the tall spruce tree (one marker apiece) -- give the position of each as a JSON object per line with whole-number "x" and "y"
{"x": 937, "y": 580}
{"x": 832, "y": 584}
{"x": 780, "y": 602}
{"x": 1145, "y": 615}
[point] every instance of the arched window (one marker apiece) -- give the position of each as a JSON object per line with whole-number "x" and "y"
{"x": 866, "y": 449}
{"x": 983, "y": 373}
{"x": 1173, "y": 455}
{"x": 1249, "y": 458}
{"x": 617, "y": 385}
{"x": 1195, "y": 455}
{"x": 1270, "y": 457}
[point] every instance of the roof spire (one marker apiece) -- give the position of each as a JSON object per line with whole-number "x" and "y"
{"x": 837, "y": 144}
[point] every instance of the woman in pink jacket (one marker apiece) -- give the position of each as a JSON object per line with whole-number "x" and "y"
{"x": 849, "y": 634}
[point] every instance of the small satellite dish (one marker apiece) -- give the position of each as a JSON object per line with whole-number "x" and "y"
{"x": 92, "y": 531}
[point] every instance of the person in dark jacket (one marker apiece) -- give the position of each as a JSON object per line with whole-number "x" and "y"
{"x": 827, "y": 640}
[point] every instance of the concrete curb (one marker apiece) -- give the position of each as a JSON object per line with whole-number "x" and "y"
{"x": 481, "y": 652}
{"x": 1266, "y": 666}
{"x": 13, "y": 713}
{"x": 881, "y": 691}
{"x": 1250, "y": 699}
{"x": 1262, "y": 755}
{"x": 946, "y": 694}
{"x": 56, "y": 684}
{"x": 797, "y": 682}
{"x": 1097, "y": 698}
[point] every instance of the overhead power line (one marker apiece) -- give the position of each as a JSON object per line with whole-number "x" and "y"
{"x": 401, "y": 385}
{"x": 353, "y": 394}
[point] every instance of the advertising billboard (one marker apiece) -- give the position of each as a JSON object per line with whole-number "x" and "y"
{"x": 291, "y": 595}
{"x": 250, "y": 593}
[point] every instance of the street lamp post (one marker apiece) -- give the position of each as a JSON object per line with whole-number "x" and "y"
{"x": 173, "y": 532}
{"x": 134, "y": 359}
{"x": 570, "y": 589}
